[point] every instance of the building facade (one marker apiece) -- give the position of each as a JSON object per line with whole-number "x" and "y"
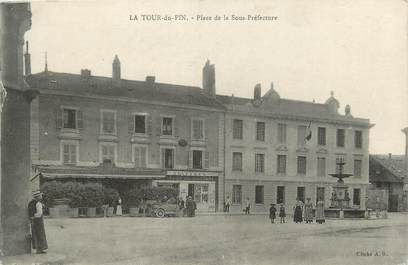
{"x": 277, "y": 150}
{"x": 129, "y": 134}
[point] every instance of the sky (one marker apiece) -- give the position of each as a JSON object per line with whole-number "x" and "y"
{"x": 355, "y": 48}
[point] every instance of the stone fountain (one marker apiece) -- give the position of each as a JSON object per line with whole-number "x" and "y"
{"x": 340, "y": 200}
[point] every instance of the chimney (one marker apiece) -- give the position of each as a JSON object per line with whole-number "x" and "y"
{"x": 27, "y": 61}
{"x": 116, "y": 70}
{"x": 85, "y": 73}
{"x": 209, "y": 79}
{"x": 257, "y": 92}
{"x": 150, "y": 81}
{"x": 389, "y": 156}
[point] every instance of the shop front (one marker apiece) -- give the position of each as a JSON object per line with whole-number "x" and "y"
{"x": 201, "y": 186}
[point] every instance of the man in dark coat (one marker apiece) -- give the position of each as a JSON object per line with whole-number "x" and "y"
{"x": 272, "y": 213}
{"x": 35, "y": 213}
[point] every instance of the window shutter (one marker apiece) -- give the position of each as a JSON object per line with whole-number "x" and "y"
{"x": 136, "y": 155}
{"x": 190, "y": 159}
{"x": 80, "y": 122}
{"x": 163, "y": 158}
{"x": 206, "y": 160}
{"x": 59, "y": 119}
{"x": 148, "y": 124}
{"x": 143, "y": 157}
{"x": 131, "y": 124}
{"x": 175, "y": 132}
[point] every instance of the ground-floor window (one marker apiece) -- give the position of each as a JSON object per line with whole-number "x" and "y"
{"x": 280, "y": 194}
{"x": 259, "y": 194}
{"x": 201, "y": 193}
{"x": 301, "y": 193}
{"x": 356, "y": 197}
{"x": 236, "y": 194}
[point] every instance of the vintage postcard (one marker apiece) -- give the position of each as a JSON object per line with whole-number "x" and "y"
{"x": 203, "y": 132}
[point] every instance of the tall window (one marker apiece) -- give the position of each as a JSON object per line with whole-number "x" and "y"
{"x": 280, "y": 194}
{"x": 140, "y": 123}
{"x": 198, "y": 129}
{"x": 259, "y": 194}
{"x": 356, "y": 197}
{"x": 321, "y": 166}
{"x": 167, "y": 126}
{"x": 108, "y": 154}
{"x": 237, "y": 161}
{"x": 69, "y": 154}
{"x": 108, "y": 122}
{"x": 168, "y": 157}
{"x": 237, "y": 129}
{"x": 357, "y": 167}
{"x": 340, "y": 138}
{"x": 301, "y": 165}
{"x": 260, "y": 131}
{"x": 321, "y": 136}
{"x": 281, "y": 164}
{"x": 281, "y": 133}
{"x": 300, "y": 194}
{"x": 236, "y": 194}
{"x": 140, "y": 156}
{"x": 69, "y": 118}
{"x": 259, "y": 162}
{"x": 197, "y": 159}
{"x": 301, "y": 134}
{"x": 358, "y": 139}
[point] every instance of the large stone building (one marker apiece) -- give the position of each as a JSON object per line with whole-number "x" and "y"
{"x": 129, "y": 133}
{"x": 270, "y": 150}
{"x": 278, "y": 149}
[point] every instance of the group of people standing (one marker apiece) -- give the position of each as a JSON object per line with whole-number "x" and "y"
{"x": 302, "y": 212}
{"x": 189, "y": 207}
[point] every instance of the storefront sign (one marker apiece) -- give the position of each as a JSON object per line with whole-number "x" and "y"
{"x": 191, "y": 173}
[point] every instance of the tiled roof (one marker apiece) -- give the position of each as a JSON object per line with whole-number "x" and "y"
{"x": 394, "y": 168}
{"x": 291, "y": 107}
{"x": 103, "y": 86}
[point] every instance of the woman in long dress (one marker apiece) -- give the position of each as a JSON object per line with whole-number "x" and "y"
{"x": 297, "y": 216}
{"x": 320, "y": 212}
{"x": 119, "y": 207}
{"x": 308, "y": 211}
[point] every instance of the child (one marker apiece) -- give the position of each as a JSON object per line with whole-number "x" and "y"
{"x": 282, "y": 213}
{"x": 272, "y": 213}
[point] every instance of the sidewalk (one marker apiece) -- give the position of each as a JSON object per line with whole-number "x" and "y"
{"x": 33, "y": 259}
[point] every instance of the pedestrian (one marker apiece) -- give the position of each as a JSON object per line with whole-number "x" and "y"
{"x": 181, "y": 203}
{"x": 227, "y": 204}
{"x": 189, "y": 206}
{"x": 308, "y": 211}
{"x": 272, "y": 213}
{"x": 320, "y": 212}
{"x": 247, "y": 206}
{"x": 282, "y": 213}
{"x": 119, "y": 207}
{"x": 297, "y": 216}
{"x": 35, "y": 213}
{"x": 194, "y": 207}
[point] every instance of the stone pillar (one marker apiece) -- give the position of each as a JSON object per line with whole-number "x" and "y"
{"x": 15, "y": 20}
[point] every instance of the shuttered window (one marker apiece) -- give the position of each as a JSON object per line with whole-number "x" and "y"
{"x": 140, "y": 153}
{"x": 198, "y": 129}
{"x": 69, "y": 154}
{"x": 108, "y": 122}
